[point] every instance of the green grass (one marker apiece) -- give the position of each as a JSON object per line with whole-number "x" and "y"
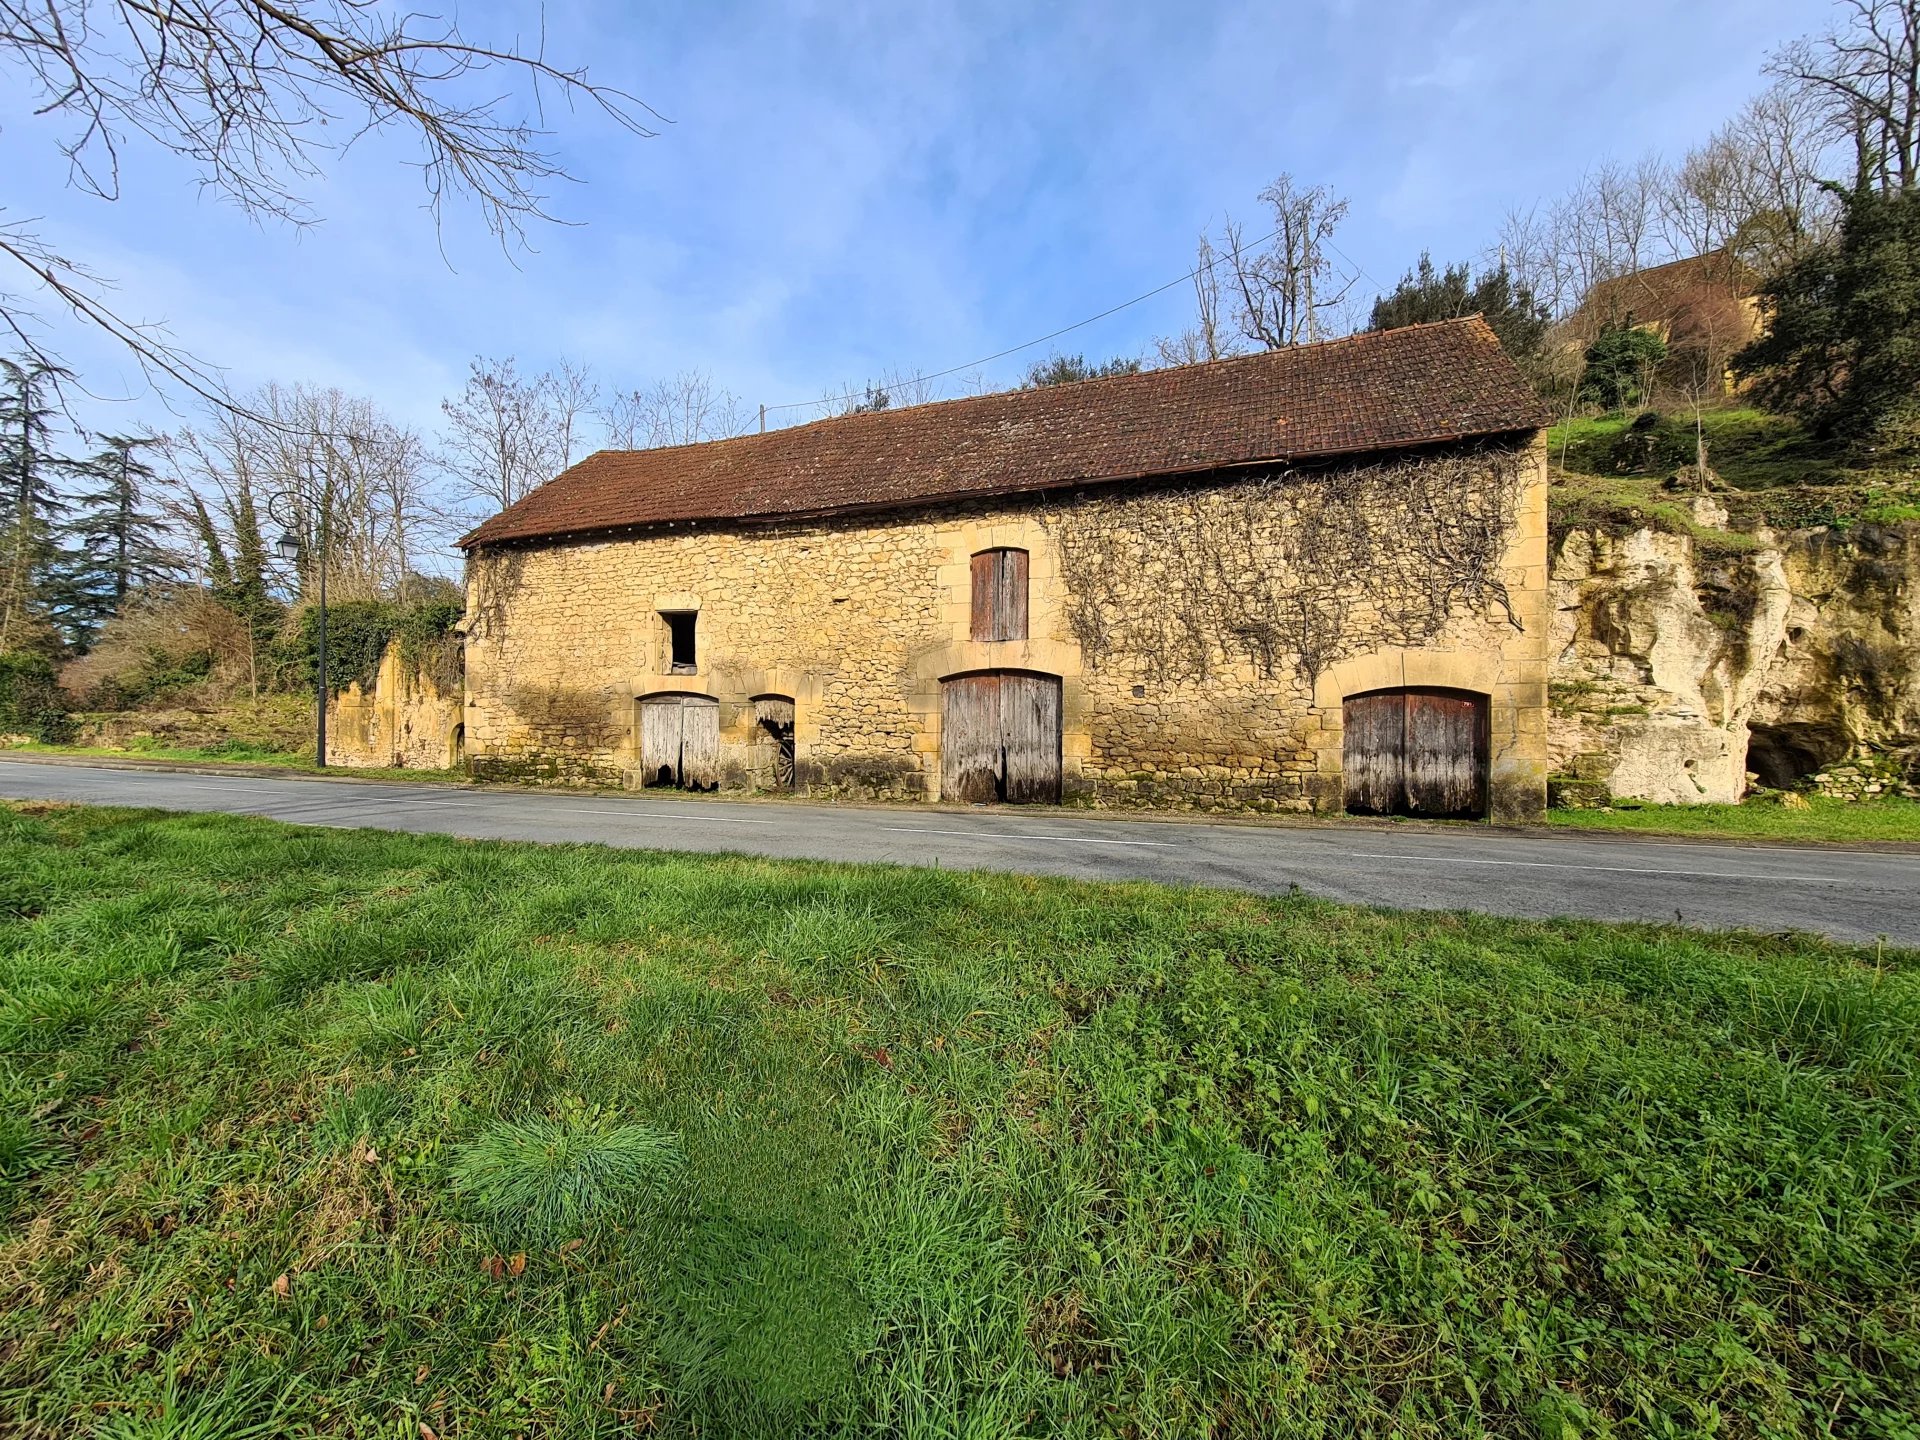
{"x": 1823, "y": 819}
{"x": 232, "y": 752}
{"x": 350, "y": 1133}
{"x": 1747, "y": 448}
{"x": 1779, "y": 477}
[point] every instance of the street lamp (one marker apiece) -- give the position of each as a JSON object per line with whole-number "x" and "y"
{"x": 288, "y": 548}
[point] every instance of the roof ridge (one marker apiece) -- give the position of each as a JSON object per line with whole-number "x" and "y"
{"x": 1355, "y": 338}
{"x": 1439, "y": 382}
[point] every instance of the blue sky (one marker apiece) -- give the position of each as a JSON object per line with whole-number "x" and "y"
{"x": 852, "y": 187}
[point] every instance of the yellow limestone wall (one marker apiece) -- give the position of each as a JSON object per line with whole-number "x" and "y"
{"x": 406, "y": 721}
{"x": 858, "y": 620}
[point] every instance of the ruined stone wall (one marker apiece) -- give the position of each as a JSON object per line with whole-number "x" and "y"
{"x": 407, "y": 720}
{"x": 1204, "y": 635}
{"x": 1680, "y": 667}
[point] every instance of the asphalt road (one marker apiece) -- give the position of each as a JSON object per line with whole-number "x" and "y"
{"x": 1856, "y": 895}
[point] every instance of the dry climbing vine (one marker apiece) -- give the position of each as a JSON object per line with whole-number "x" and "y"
{"x": 1297, "y": 568}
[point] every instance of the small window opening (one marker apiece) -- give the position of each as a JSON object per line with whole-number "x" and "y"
{"x": 680, "y": 627}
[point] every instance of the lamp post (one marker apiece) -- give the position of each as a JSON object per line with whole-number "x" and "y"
{"x": 288, "y": 547}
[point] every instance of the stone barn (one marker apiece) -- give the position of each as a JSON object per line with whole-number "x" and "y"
{"x": 1301, "y": 580}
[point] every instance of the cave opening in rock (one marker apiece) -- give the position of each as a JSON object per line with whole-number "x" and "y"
{"x": 1784, "y": 755}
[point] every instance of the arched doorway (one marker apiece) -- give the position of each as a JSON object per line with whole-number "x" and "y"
{"x": 1412, "y": 751}
{"x": 1000, "y": 738}
{"x": 457, "y": 746}
{"x": 679, "y": 741}
{"x": 773, "y": 750}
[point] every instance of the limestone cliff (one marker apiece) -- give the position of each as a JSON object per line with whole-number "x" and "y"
{"x": 1684, "y": 661}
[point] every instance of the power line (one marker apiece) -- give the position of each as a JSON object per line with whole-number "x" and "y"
{"x": 1025, "y": 344}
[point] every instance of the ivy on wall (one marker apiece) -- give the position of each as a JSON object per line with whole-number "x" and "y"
{"x": 359, "y": 631}
{"x": 1295, "y": 569}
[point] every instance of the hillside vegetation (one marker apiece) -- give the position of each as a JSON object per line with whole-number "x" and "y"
{"x": 1617, "y": 471}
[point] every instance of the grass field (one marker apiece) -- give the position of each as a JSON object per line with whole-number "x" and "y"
{"x": 364, "y": 1134}
{"x": 1824, "y": 819}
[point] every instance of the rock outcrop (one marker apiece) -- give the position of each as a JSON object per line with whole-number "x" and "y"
{"x": 1683, "y": 663}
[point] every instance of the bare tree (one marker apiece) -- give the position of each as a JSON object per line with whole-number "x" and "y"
{"x": 1787, "y": 148}
{"x": 685, "y": 410}
{"x": 507, "y": 434}
{"x": 1208, "y": 338}
{"x": 1537, "y": 253}
{"x": 1865, "y": 73}
{"x": 1618, "y": 209}
{"x": 1284, "y": 290}
{"x": 571, "y": 397}
{"x": 259, "y": 96}
{"x": 1753, "y": 189}
{"x": 332, "y": 468}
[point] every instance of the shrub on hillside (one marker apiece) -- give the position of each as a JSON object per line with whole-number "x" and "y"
{"x": 181, "y": 646}
{"x": 30, "y": 700}
{"x": 1620, "y": 365}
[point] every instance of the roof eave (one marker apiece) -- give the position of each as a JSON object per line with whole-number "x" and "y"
{"x": 474, "y": 540}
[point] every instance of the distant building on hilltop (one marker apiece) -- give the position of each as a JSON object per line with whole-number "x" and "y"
{"x": 1703, "y": 307}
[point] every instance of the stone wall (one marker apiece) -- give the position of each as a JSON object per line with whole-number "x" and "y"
{"x": 406, "y": 721}
{"x": 1682, "y": 665}
{"x": 1204, "y": 635}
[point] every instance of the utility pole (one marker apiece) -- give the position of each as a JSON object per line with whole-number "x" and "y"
{"x": 763, "y": 419}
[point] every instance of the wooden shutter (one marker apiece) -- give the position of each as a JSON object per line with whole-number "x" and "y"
{"x": 1010, "y": 597}
{"x": 1000, "y": 595}
{"x": 1445, "y": 753}
{"x": 986, "y": 572}
{"x": 700, "y": 743}
{"x": 660, "y": 731}
{"x": 1372, "y": 753}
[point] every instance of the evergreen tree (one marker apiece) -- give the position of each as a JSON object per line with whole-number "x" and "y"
{"x": 1842, "y": 346}
{"x": 29, "y": 471}
{"x": 115, "y": 547}
{"x": 1425, "y": 294}
{"x": 1066, "y": 369}
{"x": 1620, "y": 365}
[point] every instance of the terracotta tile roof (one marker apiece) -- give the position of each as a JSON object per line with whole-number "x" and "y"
{"x": 1381, "y": 391}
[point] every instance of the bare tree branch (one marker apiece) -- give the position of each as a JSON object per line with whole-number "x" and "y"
{"x": 259, "y": 96}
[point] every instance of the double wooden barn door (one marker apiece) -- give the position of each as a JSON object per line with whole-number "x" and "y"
{"x": 1000, "y": 738}
{"x": 1416, "y": 752}
{"x": 680, "y": 741}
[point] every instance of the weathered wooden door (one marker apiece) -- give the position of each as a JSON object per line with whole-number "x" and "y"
{"x": 1374, "y": 752}
{"x": 1416, "y": 752}
{"x": 680, "y": 741}
{"x": 1000, "y": 738}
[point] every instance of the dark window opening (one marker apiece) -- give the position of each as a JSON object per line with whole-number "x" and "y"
{"x": 680, "y": 626}
{"x": 1000, "y": 595}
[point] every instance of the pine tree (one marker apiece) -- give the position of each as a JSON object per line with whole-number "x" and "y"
{"x": 115, "y": 548}
{"x": 1842, "y": 346}
{"x": 29, "y": 471}
{"x": 1425, "y": 294}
